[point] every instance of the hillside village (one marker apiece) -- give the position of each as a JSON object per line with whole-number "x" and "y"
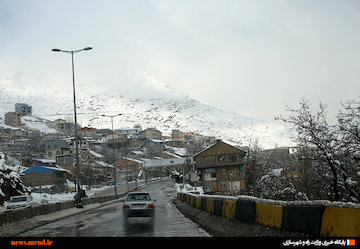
{"x": 42, "y": 152}
{"x": 46, "y": 150}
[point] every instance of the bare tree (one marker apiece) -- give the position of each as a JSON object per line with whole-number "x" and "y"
{"x": 314, "y": 131}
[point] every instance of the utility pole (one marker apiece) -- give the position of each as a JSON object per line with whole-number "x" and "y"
{"x": 113, "y": 146}
{"x": 77, "y": 164}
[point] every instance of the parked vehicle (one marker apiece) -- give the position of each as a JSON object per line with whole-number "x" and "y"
{"x": 19, "y": 201}
{"x": 139, "y": 204}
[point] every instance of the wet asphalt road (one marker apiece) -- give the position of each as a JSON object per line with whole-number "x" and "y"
{"x": 107, "y": 221}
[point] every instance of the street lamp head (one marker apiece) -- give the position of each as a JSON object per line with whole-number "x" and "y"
{"x": 87, "y": 48}
{"x": 111, "y": 116}
{"x": 56, "y": 50}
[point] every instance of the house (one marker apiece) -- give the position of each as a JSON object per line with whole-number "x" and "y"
{"x": 117, "y": 140}
{"x": 128, "y": 167}
{"x": 10, "y": 134}
{"x": 129, "y": 132}
{"x": 130, "y": 164}
{"x": 66, "y": 161}
{"x": 154, "y": 147}
{"x": 87, "y": 132}
{"x": 40, "y": 175}
{"x": 222, "y": 168}
{"x": 54, "y": 147}
{"x": 13, "y": 119}
{"x": 23, "y": 109}
{"x": 83, "y": 143}
{"x": 177, "y": 135}
{"x": 63, "y": 126}
{"x": 151, "y": 133}
{"x": 193, "y": 137}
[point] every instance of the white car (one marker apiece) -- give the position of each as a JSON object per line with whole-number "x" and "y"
{"x": 19, "y": 201}
{"x": 139, "y": 204}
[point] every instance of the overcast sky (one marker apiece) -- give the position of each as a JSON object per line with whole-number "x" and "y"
{"x": 245, "y": 56}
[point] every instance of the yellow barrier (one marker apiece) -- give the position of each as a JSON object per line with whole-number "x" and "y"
{"x": 198, "y": 202}
{"x": 229, "y": 208}
{"x": 269, "y": 214}
{"x": 210, "y": 205}
{"x": 191, "y": 202}
{"x": 338, "y": 222}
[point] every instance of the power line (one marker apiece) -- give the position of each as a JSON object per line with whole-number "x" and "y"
{"x": 58, "y": 114}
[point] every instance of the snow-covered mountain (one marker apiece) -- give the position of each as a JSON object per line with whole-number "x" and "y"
{"x": 151, "y": 103}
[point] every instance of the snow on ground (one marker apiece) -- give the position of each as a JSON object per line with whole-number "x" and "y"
{"x": 41, "y": 198}
{"x": 199, "y": 191}
{"x": 37, "y": 124}
{"x": 188, "y": 188}
{"x": 44, "y": 198}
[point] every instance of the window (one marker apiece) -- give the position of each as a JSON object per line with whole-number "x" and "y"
{"x": 222, "y": 184}
{"x": 221, "y": 159}
{"x": 138, "y": 196}
{"x": 233, "y": 158}
{"x": 211, "y": 171}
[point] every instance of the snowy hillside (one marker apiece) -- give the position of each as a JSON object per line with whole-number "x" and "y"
{"x": 150, "y": 103}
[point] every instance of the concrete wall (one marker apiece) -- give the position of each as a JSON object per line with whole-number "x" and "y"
{"x": 338, "y": 221}
{"x": 26, "y": 213}
{"x": 315, "y": 219}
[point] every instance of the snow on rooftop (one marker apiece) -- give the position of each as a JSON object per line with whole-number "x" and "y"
{"x": 103, "y": 164}
{"x": 95, "y": 154}
{"x": 38, "y": 124}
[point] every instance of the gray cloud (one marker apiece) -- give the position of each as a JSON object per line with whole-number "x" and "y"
{"x": 248, "y": 57}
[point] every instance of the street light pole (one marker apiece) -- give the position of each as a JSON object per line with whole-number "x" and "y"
{"x": 75, "y": 128}
{"x": 112, "y": 128}
{"x": 77, "y": 166}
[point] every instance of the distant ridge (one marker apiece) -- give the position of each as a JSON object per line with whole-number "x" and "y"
{"x": 151, "y": 103}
